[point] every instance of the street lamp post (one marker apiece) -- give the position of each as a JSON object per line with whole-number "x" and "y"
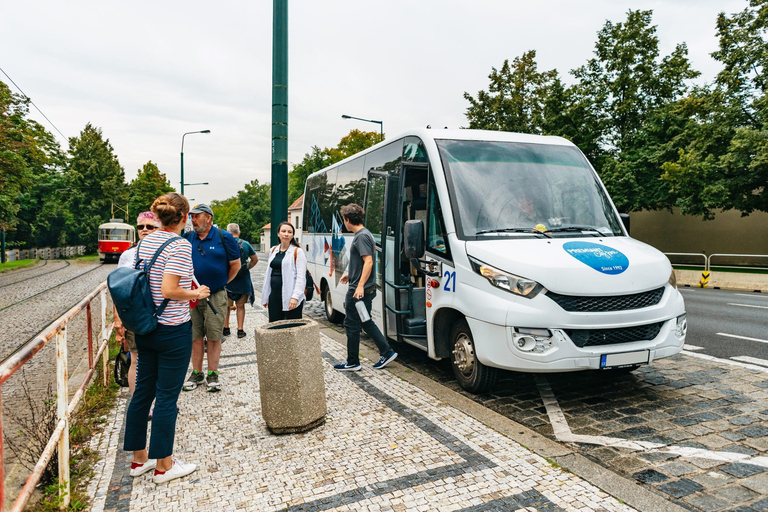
{"x": 380, "y": 123}
{"x": 182, "y": 156}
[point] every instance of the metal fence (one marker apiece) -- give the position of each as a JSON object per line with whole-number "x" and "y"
{"x": 707, "y": 260}
{"x": 64, "y": 409}
{"x": 44, "y": 253}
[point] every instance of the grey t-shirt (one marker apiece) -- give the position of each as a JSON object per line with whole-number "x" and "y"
{"x": 362, "y": 245}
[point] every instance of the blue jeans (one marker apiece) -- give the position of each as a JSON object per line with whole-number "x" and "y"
{"x": 353, "y": 325}
{"x": 163, "y": 360}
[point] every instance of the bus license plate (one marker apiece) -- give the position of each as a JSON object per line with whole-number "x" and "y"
{"x": 624, "y": 359}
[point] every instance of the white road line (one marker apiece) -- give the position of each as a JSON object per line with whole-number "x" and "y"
{"x": 742, "y": 337}
{"x": 753, "y": 295}
{"x": 726, "y": 361}
{"x": 753, "y": 360}
{"x": 563, "y": 433}
{"x": 747, "y": 305}
{"x": 692, "y": 347}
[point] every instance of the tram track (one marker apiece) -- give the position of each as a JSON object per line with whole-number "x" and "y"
{"x": 49, "y": 289}
{"x": 66, "y": 264}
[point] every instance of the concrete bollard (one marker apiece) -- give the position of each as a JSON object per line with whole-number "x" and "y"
{"x": 291, "y": 382}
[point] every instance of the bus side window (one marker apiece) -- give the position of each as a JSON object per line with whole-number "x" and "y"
{"x": 437, "y": 240}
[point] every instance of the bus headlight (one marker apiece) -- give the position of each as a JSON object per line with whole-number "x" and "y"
{"x": 514, "y": 284}
{"x": 681, "y": 328}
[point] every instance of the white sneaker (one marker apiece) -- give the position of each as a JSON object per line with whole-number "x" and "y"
{"x": 178, "y": 470}
{"x": 139, "y": 469}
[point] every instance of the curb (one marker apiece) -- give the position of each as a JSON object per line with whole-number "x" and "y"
{"x": 622, "y": 488}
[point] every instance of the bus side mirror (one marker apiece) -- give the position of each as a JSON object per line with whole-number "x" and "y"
{"x": 413, "y": 237}
{"x": 625, "y": 220}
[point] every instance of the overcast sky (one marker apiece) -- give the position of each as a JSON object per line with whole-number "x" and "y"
{"x": 147, "y": 72}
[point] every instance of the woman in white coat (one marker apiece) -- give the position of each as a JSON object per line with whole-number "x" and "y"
{"x": 283, "y": 291}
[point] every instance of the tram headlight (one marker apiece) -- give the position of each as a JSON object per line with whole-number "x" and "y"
{"x": 509, "y": 282}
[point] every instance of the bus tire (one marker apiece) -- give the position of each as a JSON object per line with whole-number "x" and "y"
{"x": 470, "y": 373}
{"x": 331, "y": 314}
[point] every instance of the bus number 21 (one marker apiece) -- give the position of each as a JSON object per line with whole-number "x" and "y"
{"x": 451, "y": 277}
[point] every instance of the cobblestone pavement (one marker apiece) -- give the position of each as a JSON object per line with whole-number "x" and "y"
{"x": 386, "y": 445}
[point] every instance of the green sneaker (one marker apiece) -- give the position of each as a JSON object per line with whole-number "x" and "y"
{"x": 195, "y": 379}
{"x": 213, "y": 382}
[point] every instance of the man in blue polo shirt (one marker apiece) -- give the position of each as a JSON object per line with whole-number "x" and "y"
{"x": 216, "y": 259}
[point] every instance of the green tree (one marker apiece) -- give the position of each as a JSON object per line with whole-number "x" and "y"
{"x": 515, "y": 98}
{"x": 148, "y": 185}
{"x": 723, "y": 163}
{"x": 94, "y": 181}
{"x": 225, "y": 211}
{"x": 254, "y": 203}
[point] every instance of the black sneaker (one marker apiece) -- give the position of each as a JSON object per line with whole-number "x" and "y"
{"x": 227, "y": 332}
{"x": 213, "y": 382}
{"x": 385, "y": 360}
{"x": 194, "y": 380}
{"x": 240, "y": 333}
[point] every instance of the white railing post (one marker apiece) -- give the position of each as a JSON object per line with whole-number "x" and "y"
{"x": 104, "y": 336}
{"x": 62, "y": 402}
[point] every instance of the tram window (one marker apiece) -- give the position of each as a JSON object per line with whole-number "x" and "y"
{"x": 114, "y": 234}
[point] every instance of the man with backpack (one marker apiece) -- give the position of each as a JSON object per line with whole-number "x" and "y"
{"x": 240, "y": 289}
{"x": 216, "y": 259}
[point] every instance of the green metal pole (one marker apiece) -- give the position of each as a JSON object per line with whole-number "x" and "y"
{"x": 2, "y": 248}
{"x": 279, "y": 116}
{"x": 182, "y": 169}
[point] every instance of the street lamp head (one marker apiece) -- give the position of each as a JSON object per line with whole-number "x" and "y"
{"x": 345, "y": 116}
{"x": 205, "y": 131}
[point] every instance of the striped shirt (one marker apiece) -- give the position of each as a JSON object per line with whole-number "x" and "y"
{"x": 175, "y": 259}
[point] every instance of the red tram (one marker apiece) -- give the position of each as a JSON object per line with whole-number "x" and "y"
{"x": 115, "y": 237}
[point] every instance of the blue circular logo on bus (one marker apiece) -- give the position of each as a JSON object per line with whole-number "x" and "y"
{"x": 600, "y": 257}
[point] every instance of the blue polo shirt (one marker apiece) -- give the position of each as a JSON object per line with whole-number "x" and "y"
{"x": 211, "y": 258}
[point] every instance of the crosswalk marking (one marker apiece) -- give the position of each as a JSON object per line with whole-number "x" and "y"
{"x": 753, "y": 360}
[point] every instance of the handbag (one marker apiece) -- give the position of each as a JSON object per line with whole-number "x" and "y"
{"x": 122, "y": 364}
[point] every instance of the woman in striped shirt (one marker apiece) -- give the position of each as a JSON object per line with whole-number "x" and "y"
{"x": 163, "y": 353}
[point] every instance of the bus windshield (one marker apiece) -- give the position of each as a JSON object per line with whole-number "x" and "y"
{"x": 513, "y": 189}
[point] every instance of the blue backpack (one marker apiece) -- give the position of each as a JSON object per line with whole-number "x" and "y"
{"x": 132, "y": 297}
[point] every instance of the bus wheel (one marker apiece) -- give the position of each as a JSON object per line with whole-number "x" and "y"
{"x": 331, "y": 314}
{"x": 471, "y": 374}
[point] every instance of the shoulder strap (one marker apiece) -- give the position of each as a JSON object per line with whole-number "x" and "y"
{"x": 221, "y": 236}
{"x": 295, "y": 253}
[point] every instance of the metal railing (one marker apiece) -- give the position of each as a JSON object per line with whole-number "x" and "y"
{"x": 709, "y": 260}
{"x": 695, "y": 254}
{"x": 64, "y": 408}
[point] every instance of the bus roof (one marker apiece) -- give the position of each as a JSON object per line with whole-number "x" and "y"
{"x": 430, "y": 134}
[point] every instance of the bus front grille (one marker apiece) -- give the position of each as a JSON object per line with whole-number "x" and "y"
{"x": 607, "y": 303}
{"x": 596, "y": 337}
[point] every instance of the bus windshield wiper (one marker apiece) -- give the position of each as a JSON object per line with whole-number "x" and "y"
{"x": 529, "y": 231}
{"x": 580, "y": 229}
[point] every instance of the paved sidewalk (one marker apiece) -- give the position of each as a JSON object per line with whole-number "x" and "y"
{"x": 386, "y": 445}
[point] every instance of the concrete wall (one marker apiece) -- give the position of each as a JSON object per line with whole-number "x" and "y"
{"x": 728, "y": 233}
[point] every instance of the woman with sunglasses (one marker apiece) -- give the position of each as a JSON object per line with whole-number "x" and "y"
{"x": 147, "y": 222}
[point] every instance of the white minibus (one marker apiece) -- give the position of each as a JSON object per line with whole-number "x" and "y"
{"x": 496, "y": 250}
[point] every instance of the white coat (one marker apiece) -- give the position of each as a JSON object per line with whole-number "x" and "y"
{"x": 294, "y": 276}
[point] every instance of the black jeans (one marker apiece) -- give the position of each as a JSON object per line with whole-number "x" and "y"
{"x": 163, "y": 359}
{"x": 353, "y": 325}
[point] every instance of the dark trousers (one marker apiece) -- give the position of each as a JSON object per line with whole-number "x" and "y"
{"x": 163, "y": 360}
{"x": 275, "y": 304}
{"x": 353, "y": 325}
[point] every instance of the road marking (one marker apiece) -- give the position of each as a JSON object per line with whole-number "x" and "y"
{"x": 753, "y": 360}
{"x": 692, "y": 347}
{"x": 563, "y": 433}
{"x": 747, "y": 305}
{"x": 753, "y": 295}
{"x": 726, "y": 361}
{"x": 742, "y": 337}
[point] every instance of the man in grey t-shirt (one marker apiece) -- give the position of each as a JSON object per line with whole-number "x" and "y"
{"x": 362, "y": 288}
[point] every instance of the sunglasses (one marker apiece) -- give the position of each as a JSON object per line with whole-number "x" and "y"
{"x": 200, "y": 248}
{"x": 146, "y": 226}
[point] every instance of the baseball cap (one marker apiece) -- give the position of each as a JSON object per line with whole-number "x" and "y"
{"x": 202, "y": 208}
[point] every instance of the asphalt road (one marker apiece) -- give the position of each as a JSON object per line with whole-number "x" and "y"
{"x": 727, "y": 324}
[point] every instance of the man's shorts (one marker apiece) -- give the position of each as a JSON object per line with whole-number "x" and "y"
{"x": 242, "y": 300}
{"x": 204, "y": 322}
{"x": 130, "y": 340}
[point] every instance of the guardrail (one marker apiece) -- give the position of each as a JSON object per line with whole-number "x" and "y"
{"x": 709, "y": 260}
{"x": 44, "y": 253}
{"x": 695, "y": 254}
{"x": 64, "y": 409}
